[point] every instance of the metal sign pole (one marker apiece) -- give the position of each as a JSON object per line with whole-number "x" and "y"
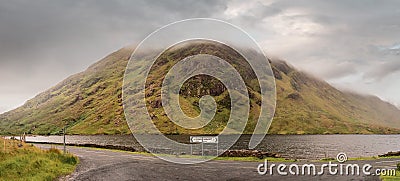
{"x": 217, "y": 148}
{"x": 202, "y": 148}
{"x": 65, "y": 150}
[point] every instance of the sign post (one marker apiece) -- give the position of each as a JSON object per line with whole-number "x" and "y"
{"x": 65, "y": 149}
{"x": 202, "y": 148}
{"x": 202, "y": 140}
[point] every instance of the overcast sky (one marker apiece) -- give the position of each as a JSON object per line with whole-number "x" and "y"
{"x": 353, "y": 45}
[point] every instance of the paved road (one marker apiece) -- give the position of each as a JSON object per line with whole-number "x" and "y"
{"x": 113, "y": 165}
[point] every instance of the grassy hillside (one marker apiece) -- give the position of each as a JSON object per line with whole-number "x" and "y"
{"x": 308, "y": 105}
{"x": 91, "y": 102}
{"x": 19, "y": 161}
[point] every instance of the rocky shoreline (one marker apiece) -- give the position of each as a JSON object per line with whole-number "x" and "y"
{"x": 228, "y": 153}
{"x": 113, "y": 147}
{"x": 389, "y": 154}
{"x": 250, "y": 153}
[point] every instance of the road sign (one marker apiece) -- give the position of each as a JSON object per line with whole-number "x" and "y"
{"x": 196, "y": 139}
{"x": 210, "y": 139}
{"x": 204, "y": 139}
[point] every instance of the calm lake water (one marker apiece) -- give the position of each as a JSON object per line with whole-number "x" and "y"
{"x": 289, "y": 146}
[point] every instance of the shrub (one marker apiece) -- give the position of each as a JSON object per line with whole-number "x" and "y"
{"x": 54, "y": 150}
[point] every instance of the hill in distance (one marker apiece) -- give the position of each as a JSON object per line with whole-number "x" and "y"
{"x": 90, "y": 102}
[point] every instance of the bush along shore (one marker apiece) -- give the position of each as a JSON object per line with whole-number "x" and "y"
{"x": 22, "y": 161}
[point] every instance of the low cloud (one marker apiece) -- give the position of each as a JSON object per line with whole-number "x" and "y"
{"x": 383, "y": 69}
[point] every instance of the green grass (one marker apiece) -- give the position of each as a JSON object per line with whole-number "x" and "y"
{"x": 392, "y": 178}
{"x": 363, "y": 158}
{"x": 391, "y": 157}
{"x": 255, "y": 159}
{"x": 357, "y": 158}
{"x": 385, "y": 178}
{"x": 20, "y": 161}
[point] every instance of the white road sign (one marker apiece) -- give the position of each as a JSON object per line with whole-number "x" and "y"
{"x": 210, "y": 139}
{"x": 196, "y": 139}
{"x": 204, "y": 139}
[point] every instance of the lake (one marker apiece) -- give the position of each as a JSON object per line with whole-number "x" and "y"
{"x": 288, "y": 146}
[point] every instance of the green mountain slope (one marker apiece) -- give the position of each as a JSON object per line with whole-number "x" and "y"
{"x": 308, "y": 105}
{"x": 90, "y": 102}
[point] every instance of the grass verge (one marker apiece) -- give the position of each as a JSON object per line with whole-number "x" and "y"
{"x": 20, "y": 161}
{"x": 357, "y": 158}
{"x": 392, "y": 178}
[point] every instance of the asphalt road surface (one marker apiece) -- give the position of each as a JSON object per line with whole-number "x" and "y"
{"x": 96, "y": 164}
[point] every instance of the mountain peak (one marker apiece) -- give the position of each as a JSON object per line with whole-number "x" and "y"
{"x": 90, "y": 102}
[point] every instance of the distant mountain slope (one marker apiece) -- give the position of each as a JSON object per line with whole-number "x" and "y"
{"x": 91, "y": 103}
{"x": 308, "y": 105}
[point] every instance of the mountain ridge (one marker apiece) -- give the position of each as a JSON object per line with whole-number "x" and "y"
{"x": 90, "y": 102}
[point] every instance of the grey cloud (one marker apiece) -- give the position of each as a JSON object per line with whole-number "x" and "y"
{"x": 43, "y": 41}
{"x": 339, "y": 70}
{"x": 383, "y": 69}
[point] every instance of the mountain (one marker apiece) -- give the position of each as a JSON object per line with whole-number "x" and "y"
{"x": 90, "y": 102}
